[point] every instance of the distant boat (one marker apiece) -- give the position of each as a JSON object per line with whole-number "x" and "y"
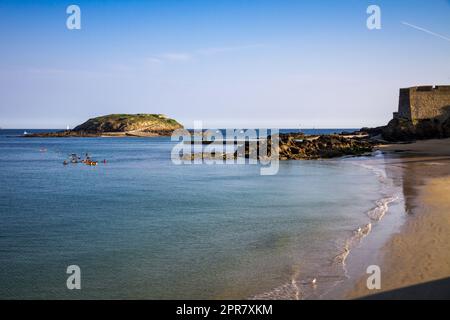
{"x": 25, "y": 133}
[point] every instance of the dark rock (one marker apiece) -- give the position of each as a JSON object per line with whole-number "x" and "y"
{"x": 317, "y": 147}
{"x": 400, "y": 129}
{"x": 446, "y": 128}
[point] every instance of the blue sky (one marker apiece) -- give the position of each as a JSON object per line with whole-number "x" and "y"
{"x": 228, "y": 63}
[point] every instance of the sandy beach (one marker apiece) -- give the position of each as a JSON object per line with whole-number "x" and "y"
{"x": 420, "y": 252}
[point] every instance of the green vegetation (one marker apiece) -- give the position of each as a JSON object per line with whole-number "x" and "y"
{"x": 129, "y": 122}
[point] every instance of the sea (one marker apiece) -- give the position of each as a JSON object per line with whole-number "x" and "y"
{"x": 139, "y": 226}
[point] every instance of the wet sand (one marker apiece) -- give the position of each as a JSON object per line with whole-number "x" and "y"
{"x": 420, "y": 252}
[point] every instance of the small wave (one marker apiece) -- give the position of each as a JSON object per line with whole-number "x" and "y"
{"x": 362, "y": 232}
{"x": 297, "y": 289}
{"x": 290, "y": 290}
{"x": 340, "y": 258}
{"x": 300, "y": 289}
{"x": 380, "y": 173}
{"x": 305, "y": 288}
{"x": 284, "y": 292}
{"x": 356, "y": 238}
{"x": 335, "y": 272}
{"x": 377, "y": 213}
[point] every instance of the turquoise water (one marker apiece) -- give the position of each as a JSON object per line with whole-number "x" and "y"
{"x": 142, "y": 227}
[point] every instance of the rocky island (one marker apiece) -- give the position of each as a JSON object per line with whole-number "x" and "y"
{"x": 120, "y": 125}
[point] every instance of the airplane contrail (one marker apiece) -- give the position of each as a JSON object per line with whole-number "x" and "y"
{"x": 426, "y": 31}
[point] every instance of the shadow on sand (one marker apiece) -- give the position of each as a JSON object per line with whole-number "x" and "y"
{"x": 434, "y": 290}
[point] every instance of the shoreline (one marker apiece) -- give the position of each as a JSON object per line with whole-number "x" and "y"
{"x": 384, "y": 219}
{"x": 419, "y": 252}
{"x": 343, "y": 268}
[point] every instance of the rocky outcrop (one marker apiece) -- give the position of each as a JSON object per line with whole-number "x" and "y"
{"x": 297, "y": 146}
{"x": 446, "y": 128}
{"x": 118, "y": 125}
{"x": 400, "y": 129}
{"x": 322, "y": 147}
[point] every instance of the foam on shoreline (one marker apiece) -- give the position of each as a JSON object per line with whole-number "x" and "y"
{"x": 382, "y": 207}
{"x": 423, "y": 240}
{"x": 317, "y": 286}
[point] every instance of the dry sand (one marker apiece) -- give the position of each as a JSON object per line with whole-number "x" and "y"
{"x": 420, "y": 252}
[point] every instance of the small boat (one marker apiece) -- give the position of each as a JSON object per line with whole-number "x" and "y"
{"x": 25, "y": 133}
{"x": 89, "y": 162}
{"x": 74, "y": 158}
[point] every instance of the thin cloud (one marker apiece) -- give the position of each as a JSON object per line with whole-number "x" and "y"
{"x": 176, "y": 56}
{"x": 184, "y": 56}
{"x": 68, "y": 72}
{"x": 153, "y": 60}
{"x": 169, "y": 57}
{"x": 215, "y": 50}
{"x": 426, "y": 31}
{"x": 46, "y": 71}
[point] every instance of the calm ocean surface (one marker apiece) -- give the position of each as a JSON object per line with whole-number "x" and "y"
{"x": 142, "y": 227}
